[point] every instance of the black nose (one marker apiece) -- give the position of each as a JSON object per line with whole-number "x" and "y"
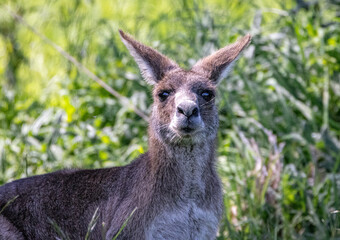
{"x": 188, "y": 109}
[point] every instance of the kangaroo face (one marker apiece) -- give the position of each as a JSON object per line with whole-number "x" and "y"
{"x": 184, "y": 107}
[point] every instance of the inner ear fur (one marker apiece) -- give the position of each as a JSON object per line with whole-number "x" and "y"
{"x": 218, "y": 65}
{"x": 152, "y": 64}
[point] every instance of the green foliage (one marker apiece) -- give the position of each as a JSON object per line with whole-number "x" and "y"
{"x": 279, "y": 138}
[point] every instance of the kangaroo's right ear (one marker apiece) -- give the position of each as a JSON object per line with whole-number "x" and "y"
{"x": 152, "y": 64}
{"x": 217, "y": 65}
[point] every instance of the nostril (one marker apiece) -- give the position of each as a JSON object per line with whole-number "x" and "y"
{"x": 180, "y": 110}
{"x": 188, "y": 111}
{"x": 195, "y": 112}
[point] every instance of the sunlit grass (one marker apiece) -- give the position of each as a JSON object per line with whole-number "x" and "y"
{"x": 279, "y": 138}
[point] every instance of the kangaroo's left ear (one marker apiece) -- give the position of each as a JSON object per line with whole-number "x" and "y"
{"x": 217, "y": 65}
{"x": 152, "y": 64}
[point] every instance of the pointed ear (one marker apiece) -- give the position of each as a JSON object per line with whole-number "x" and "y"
{"x": 152, "y": 64}
{"x": 217, "y": 65}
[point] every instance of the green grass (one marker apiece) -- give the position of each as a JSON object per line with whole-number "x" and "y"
{"x": 94, "y": 221}
{"x": 279, "y": 136}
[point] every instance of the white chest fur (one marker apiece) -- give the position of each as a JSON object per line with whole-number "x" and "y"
{"x": 187, "y": 222}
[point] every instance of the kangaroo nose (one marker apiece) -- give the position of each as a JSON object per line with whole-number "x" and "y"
{"x": 188, "y": 109}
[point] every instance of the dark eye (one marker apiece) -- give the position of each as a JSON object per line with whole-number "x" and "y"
{"x": 163, "y": 95}
{"x": 207, "y": 95}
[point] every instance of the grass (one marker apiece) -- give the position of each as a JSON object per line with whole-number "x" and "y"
{"x": 279, "y": 137}
{"x": 63, "y": 236}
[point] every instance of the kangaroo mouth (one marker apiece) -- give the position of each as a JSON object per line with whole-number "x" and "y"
{"x": 186, "y": 134}
{"x": 187, "y": 130}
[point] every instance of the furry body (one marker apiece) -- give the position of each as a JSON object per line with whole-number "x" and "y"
{"x": 167, "y": 209}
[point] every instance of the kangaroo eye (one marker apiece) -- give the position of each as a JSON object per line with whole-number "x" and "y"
{"x": 163, "y": 95}
{"x": 207, "y": 95}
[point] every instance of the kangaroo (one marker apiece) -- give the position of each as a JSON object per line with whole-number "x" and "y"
{"x": 173, "y": 188}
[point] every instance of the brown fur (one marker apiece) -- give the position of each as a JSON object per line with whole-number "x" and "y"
{"x": 174, "y": 186}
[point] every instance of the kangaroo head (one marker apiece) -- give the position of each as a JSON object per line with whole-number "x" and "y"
{"x": 184, "y": 109}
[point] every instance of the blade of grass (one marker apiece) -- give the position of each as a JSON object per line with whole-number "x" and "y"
{"x": 92, "y": 223}
{"x": 8, "y": 203}
{"x": 124, "y": 224}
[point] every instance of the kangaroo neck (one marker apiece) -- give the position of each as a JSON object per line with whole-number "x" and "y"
{"x": 177, "y": 166}
{"x": 166, "y": 154}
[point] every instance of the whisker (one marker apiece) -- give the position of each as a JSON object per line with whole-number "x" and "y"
{"x": 207, "y": 102}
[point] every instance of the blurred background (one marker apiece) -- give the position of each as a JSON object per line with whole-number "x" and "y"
{"x": 279, "y": 137}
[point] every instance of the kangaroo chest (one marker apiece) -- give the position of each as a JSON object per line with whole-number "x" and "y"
{"x": 186, "y": 221}
{"x": 186, "y": 218}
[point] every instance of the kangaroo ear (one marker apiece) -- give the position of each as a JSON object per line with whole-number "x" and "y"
{"x": 217, "y": 65}
{"x": 152, "y": 64}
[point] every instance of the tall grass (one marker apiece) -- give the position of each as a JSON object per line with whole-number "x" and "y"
{"x": 279, "y": 138}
